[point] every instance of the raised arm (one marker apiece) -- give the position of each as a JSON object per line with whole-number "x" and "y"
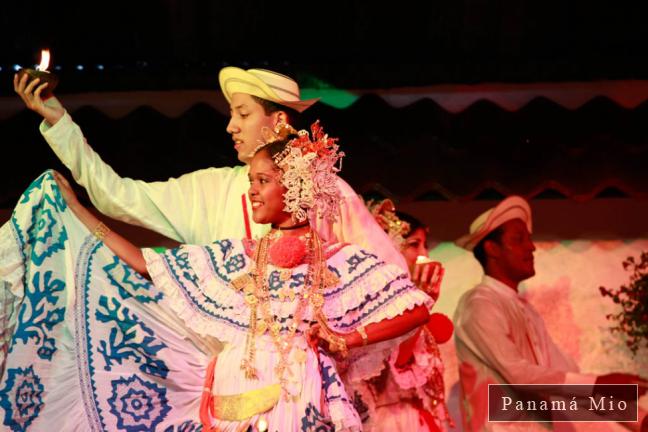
{"x": 173, "y": 208}
{"x": 123, "y": 248}
{"x": 51, "y": 110}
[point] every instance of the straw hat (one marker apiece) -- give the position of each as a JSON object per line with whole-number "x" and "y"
{"x": 513, "y": 207}
{"x": 265, "y": 84}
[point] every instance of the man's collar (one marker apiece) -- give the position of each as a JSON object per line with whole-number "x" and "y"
{"x": 499, "y": 286}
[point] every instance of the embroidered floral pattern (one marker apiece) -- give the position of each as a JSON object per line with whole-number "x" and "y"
{"x": 21, "y": 398}
{"x": 129, "y": 283}
{"x": 130, "y": 339}
{"x": 138, "y": 405}
{"x": 44, "y": 235}
{"x": 38, "y": 314}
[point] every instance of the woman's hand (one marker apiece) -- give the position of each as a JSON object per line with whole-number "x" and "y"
{"x": 335, "y": 343}
{"x": 428, "y": 276}
{"x": 67, "y": 192}
{"x": 30, "y": 93}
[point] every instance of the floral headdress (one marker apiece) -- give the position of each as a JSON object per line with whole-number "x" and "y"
{"x": 384, "y": 212}
{"x": 309, "y": 165}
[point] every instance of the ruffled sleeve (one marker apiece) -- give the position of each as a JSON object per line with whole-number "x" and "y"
{"x": 196, "y": 283}
{"x": 369, "y": 291}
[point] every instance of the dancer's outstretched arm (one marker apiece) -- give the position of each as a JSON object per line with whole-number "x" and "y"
{"x": 123, "y": 248}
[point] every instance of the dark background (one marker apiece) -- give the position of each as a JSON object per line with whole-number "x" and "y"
{"x": 353, "y": 44}
{"x": 429, "y": 160}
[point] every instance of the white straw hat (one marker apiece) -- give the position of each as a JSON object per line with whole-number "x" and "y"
{"x": 513, "y": 207}
{"x": 265, "y": 84}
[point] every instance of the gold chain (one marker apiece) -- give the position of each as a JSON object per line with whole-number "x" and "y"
{"x": 261, "y": 298}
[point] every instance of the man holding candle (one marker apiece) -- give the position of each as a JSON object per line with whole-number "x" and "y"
{"x": 260, "y": 100}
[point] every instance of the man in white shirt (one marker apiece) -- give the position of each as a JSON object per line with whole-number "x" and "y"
{"x": 500, "y": 338}
{"x": 209, "y": 204}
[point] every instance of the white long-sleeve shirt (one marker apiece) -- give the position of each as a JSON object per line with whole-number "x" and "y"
{"x": 199, "y": 207}
{"x": 501, "y": 339}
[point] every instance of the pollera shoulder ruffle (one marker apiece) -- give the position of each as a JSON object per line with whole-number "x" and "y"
{"x": 196, "y": 281}
{"x": 369, "y": 291}
{"x": 195, "y": 291}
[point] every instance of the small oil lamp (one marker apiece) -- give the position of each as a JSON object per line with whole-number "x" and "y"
{"x": 42, "y": 73}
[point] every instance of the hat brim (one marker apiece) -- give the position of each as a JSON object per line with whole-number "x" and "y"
{"x": 513, "y": 207}
{"x": 236, "y": 80}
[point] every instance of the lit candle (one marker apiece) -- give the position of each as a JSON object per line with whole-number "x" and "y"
{"x": 43, "y": 74}
{"x": 422, "y": 259}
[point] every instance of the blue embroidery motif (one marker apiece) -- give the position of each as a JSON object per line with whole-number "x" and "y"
{"x": 231, "y": 265}
{"x": 187, "y": 426}
{"x": 129, "y": 338}
{"x": 44, "y": 234}
{"x": 298, "y": 280}
{"x": 274, "y": 281}
{"x": 355, "y": 260}
{"x": 138, "y": 405}
{"x": 181, "y": 259}
{"x": 331, "y": 384}
{"x": 314, "y": 421}
{"x": 225, "y": 246}
{"x": 329, "y": 377}
{"x": 36, "y": 314}
{"x": 21, "y": 398}
{"x": 35, "y": 185}
{"x": 335, "y": 271}
{"x": 235, "y": 263}
{"x": 129, "y": 283}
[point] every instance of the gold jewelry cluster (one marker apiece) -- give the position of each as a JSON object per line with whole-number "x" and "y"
{"x": 254, "y": 287}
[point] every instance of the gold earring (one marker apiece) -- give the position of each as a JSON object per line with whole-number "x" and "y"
{"x": 279, "y": 126}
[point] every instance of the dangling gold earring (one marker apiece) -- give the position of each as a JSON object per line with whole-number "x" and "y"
{"x": 279, "y": 126}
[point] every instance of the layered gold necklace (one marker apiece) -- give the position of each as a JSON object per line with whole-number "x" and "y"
{"x": 254, "y": 286}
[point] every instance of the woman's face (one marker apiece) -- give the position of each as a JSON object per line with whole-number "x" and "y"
{"x": 414, "y": 246}
{"x": 247, "y": 120}
{"x": 266, "y": 192}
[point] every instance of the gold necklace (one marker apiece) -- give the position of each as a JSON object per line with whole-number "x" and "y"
{"x": 259, "y": 298}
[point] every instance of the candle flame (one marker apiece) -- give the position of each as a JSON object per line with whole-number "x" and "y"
{"x": 45, "y": 60}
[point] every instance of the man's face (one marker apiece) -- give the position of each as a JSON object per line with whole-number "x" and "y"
{"x": 514, "y": 252}
{"x": 246, "y": 123}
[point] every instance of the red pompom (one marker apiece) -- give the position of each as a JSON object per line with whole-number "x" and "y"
{"x": 287, "y": 252}
{"x": 441, "y": 327}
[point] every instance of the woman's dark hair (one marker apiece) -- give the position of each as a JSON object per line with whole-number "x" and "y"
{"x": 480, "y": 252}
{"x": 413, "y": 222}
{"x": 269, "y": 107}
